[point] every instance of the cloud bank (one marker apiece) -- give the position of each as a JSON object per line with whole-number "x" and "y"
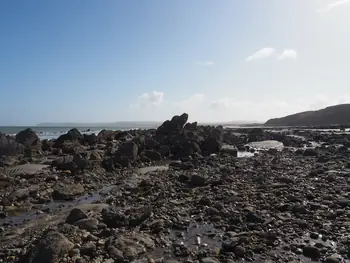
{"x": 201, "y": 107}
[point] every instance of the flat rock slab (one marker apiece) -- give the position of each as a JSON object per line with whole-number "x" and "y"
{"x": 67, "y": 192}
{"x": 26, "y": 169}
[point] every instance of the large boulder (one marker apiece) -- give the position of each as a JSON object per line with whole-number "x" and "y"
{"x": 213, "y": 141}
{"x": 28, "y": 138}
{"x": 71, "y": 135}
{"x": 51, "y": 248}
{"x": 9, "y": 147}
{"x": 174, "y": 125}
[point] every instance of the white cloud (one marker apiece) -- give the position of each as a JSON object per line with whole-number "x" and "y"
{"x": 288, "y": 54}
{"x": 261, "y": 54}
{"x": 206, "y": 63}
{"x": 221, "y": 103}
{"x": 153, "y": 98}
{"x": 333, "y": 5}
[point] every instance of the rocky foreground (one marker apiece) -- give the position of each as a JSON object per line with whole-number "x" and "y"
{"x": 180, "y": 193}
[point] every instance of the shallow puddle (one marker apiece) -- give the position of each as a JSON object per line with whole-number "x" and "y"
{"x": 265, "y": 145}
{"x": 149, "y": 169}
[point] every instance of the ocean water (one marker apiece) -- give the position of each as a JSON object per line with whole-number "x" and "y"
{"x": 54, "y": 132}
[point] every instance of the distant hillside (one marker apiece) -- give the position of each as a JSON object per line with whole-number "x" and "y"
{"x": 338, "y": 114}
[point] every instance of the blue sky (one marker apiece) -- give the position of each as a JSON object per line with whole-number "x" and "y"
{"x": 105, "y": 61}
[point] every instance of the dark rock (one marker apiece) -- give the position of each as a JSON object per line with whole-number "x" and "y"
{"x": 9, "y": 147}
{"x": 71, "y": 135}
{"x": 134, "y": 245}
{"x": 230, "y": 150}
{"x": 164, "y": 150}
{"x": 89, "y": 224}
{"x": 75, "y": 215}
{"x": 213, "y": 143}
{"x": 239, "y": 251}
{"x": 88, "y": 249}
{"x": 129, "y": 149}
{"x": 191, "y": 126}
{"x": 46, "y": 146}
{"x": 95, "y": 156}
{"x": 308, "y": 152}
{"x": 50, "y": 248}
{"x": 254, "y": 218}
{"x": 113, "y": 218}
{"x": 311, "y": 252}
{"x": 106, "y": 135}
{"x": 72, "y": 163}
{"x": 28, "y": 138}
{"x": 90, "y": 139}
{"x": 153, "y": 155}
{"x": 197, "y": 180}
{"x": 115, "y": 253}
{"x": 173, "y": 126}
{"x": 67, "y": 192}
{"x": 138, "y": 217}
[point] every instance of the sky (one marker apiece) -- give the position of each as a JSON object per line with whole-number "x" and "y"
{"x": 217, "y": 60}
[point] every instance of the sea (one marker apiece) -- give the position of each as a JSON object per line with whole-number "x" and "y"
{"x": 54, "y": 132}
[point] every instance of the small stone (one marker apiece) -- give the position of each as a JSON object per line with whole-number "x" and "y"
{"x": 332, "y": 259}
{"x": 87, "y": 224}
{"x": 209, "y": 260}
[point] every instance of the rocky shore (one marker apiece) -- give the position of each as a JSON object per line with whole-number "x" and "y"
{"x": 178, "y": 193}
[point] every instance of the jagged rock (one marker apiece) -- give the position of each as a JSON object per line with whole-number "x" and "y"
{"x": 191, "y": 126}
{"x": 174, "y": 125}
{"x": 71, "y": 135}
{"x": 72, "y": 163}
{"x": 75, "y": 215}
{"x": 113, "y": 218}
{"x": 90, "y": 139}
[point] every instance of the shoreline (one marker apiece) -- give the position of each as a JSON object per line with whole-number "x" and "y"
{"x": 195, "y": 198}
